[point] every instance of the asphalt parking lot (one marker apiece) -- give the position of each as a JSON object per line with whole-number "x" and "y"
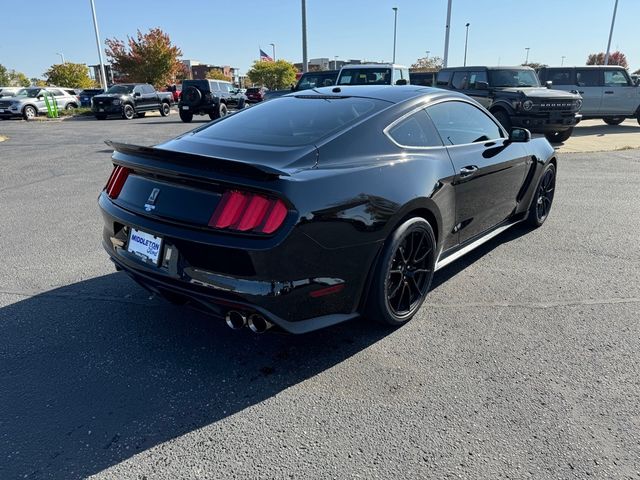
{"x": 523, "y": 363}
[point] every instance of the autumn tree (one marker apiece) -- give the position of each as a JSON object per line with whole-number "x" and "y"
{"x": 535, "y": 65}
{"x": 427, "y": 64}
{"x": 149, "y": 58}
{"x": 273, "y": 75}
{"x": 615, "y": 58}
{"x": 72, "y": 75}
{"x": 216, "y": 74}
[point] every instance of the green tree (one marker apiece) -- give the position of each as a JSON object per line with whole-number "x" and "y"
{"x": 535, "y": 65}
{"x": 273, "y": 75}
{"x": 72, "y": 75}
{"x": 4, "y": 76}
{"x": 216, "y": 74}
{"x": 149, "y": 57}
{"x": 427, "y": 64}
{"x": 18, "y": 79}
{"x": 615, "y": 58}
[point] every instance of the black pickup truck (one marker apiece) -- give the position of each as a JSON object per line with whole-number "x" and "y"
{"x": 129, "y": 100}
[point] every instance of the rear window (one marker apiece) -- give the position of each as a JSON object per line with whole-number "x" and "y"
{"x": 365, "y": 76}
{"x": 292, "y": 121}
{"x": 253, "y": 90}
{"x": 443, "y": 78}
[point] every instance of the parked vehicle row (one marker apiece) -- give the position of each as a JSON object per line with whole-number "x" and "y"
{"x": 29, "y": 102}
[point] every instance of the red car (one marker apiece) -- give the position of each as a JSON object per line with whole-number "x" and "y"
{"x": 176, "y": 91}
{"x": 255, "y": 94}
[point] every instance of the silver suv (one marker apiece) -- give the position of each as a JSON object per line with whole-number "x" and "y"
{"x": 29, "y": 102}
{"x": 607, "y": 91}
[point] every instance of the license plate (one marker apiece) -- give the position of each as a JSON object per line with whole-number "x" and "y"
{"x": 1, "y": 110}
{"x": 145, "y": 245}
{"x": 101, "y": 109}
{"x": 185, "y": 107}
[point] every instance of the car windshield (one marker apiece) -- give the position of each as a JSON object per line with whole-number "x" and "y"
{"x": 28, "y": 92}
{"x": 253, "y": 90}
{"x": 120, "y": 89}
{"x": 513, "y": 78}
{"x": 292, "y": 121}
{"x": 365, "y": 76}
{"x": 313, "y": 81}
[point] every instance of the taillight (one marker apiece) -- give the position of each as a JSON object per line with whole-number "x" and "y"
{"x": 116, "y": 181}
{"x": 243, "y": 211}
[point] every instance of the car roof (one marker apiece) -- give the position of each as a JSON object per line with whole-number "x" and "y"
{"x": 372, "y": 65}
{"x": 389, "y": 93}
{"x": 501, "y": 67}
{"x": 593, "y": 67}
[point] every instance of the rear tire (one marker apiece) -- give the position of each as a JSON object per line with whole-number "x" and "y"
{"x": 186, "y": 117}
{"x": 165, "y": 109}
{"x": 543, "y": 197}
{"x": 219, "y": 111}
{"x": 559, "y": 137}
{"x": 613, "y": 120}
{"x": 503, "y": 118}
{"x": 128, "y": 112}
{"x": 403, "y": 273}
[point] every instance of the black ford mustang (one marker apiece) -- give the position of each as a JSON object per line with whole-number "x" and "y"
{"x": 323, "y": 205}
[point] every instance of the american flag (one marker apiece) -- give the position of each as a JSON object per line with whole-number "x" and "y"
{"x": 264, "y": 57}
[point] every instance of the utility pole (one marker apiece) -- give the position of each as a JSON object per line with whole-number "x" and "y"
{"x": 466, "y": 40}
{"x": 305, "y": 62}
{"x": 445, "y": 60}
{"x": 526, "y": 60}
{"x": 103, "y": 76}
{"x": 613, "y": 21}
{"x": 395, "y": 30}
{"x": 61, "y": 57}
{"x": 562, "y": 62}
{"x": 273, "y": 47}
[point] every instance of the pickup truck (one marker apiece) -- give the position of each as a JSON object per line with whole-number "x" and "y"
{"x": 129, "y": 100}
{"x": 322, "y": 78}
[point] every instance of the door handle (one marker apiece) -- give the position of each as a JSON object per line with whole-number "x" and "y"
{"x": 608, "y": 91}
{"x": 468, "y": 171}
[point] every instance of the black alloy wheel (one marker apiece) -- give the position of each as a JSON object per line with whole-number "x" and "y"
{"x": 128, "y": 112}
{"x": 613, "y": 120}
{"x": 559, "y": 137}
{"x": 165, "y": 109}
{"x": 543, "y": 199}
{"x": 403, "y": 274}
{"x": 219, "y": 111}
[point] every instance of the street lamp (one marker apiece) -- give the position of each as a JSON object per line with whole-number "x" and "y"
{"x": 445, "y": 60}
{"x": 428, "y": 52}
{"x": 562, "y": 61}
{"x": 273, "y": 47}
{"x": 526, "y": 60}
{"x": 305, "y": 63}
{"x": 466, "y": 40}
{"x": 103, "y": 78}
{"x": 395, "y": 30}
{"x": 613, "y": 21}
{"x": 335, "y": 62}
{"x": 61, "y": 57}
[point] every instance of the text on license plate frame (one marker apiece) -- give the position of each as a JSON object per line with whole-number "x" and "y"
{"x": 145, "y": 245}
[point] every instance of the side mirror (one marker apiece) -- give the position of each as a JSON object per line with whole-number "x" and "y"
{"x": 137, "y": 94}
{"x": 548, "y": 83}
{"x": 40, "y": 97}
{"x": 521, "y": 135}
{"x": 402, "y": 81}
{"x": 480, "y": 85}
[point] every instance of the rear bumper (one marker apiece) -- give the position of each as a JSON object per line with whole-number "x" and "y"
{"x": 280, "y": 282}
{"x": 543, "y": 123}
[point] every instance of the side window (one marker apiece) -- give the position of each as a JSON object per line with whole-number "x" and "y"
{"x": 460, "y": 123}
{"x": 442, "y": 80}
{"x": 417, "y": 130}
{"x": 474, "y": 77}
{"x": 147, "y": 89}
{"x": 615, "y": 78}
{"x": 57, "y": 93}
{"x": 398, "y": 73}
{"x": 137, "y": 89}
{"x": 460, "y": 80}
{"x": 225, "y": 87}
{"x": 588, "y": 78}
{"x": 560, "y": 77}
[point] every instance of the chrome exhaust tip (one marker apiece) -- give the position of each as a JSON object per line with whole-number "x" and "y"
{"x": 258, "y": 324}
{"x": 235, "y": 320}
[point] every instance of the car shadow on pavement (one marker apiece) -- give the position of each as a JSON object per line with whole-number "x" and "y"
{"x": 94, "y": 372}
{"x": 604, "y": 129}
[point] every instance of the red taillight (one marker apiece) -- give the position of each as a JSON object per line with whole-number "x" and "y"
{"x": 116, "y": 181}
{"x": 245, "y": 212}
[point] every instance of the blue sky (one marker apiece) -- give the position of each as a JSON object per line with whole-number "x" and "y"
{"x": 229, "y": 33}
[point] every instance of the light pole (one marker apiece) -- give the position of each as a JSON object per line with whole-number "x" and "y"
{"x": 395, "y": 30}
{"x": 445, "y": 60}
{"x": 562, "y": 61}
{"x": 428, "y": 52}
{"x": 273, "y": 47}
{"x": 613, "y": 21}
{"x": 335, "y": 62}
{"x": 526, "y": 60}
{"x": 103, "y": 76}
{"x": 61, "y": 57}
{"x": 305, "y": 63}
{"x": 466, "y": 40}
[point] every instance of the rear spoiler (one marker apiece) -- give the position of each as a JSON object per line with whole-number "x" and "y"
{"x": 192, "y": 164}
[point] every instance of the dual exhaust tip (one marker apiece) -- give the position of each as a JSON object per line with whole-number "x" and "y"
{"x": 256, "y": 322}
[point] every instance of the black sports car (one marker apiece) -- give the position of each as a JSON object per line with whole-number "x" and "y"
{"x": 319, "y": 206}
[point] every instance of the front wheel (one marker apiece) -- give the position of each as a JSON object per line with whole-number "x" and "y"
{"x": 128, "y": 112}
{"x": 403, "y": 274}
{"x": 559, "y": 137}
{"x": 29, "y": 112}
{"x": 613, "y": 120}
{"x": 165, "y": 109}
{"x": 186, "y": 117}
{"x": 543, "y": 197}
